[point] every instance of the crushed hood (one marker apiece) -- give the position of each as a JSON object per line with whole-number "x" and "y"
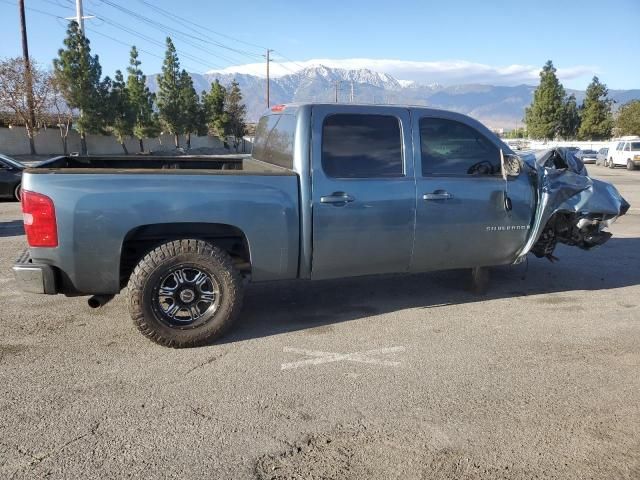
{"x": 572, "y": 208}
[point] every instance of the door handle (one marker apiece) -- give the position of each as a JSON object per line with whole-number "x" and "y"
{"x": 337, "y": 198}
{"x": 437, "y": 195}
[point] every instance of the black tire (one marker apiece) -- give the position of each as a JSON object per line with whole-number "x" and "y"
{"x": 167, "y": 263}
{"x": 611, "y": 164}
{"x": 17, "y": 192}
{"x": 630, "y": 165}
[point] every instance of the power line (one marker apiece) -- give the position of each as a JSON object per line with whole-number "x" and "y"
{"x": 192, "y": 24}
{"x": 92, "y": 30}
{"x": 135, "y": 33}
{"x": 175, "y": 31}
{"x": 290, "y": 61}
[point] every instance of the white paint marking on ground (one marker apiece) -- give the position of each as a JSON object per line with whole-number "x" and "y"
{"x": 318, "y": 358}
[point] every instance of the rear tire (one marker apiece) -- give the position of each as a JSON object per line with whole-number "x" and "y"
{"x": 185, "y": 293}
{"x": 630, "y": 165}
{"x": 611, "y": 164}
{"x": 17, "y": 192}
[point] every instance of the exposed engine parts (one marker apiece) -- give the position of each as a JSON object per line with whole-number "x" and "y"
{"x": 567, "y": 228}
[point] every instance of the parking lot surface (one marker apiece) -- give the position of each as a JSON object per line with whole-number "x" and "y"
{"x": 401, "y": 377}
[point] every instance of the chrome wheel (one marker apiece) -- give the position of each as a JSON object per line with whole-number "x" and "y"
{"x": 186, "y": 297}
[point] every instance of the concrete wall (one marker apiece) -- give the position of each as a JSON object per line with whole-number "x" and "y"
{"x": 14, "y": 141}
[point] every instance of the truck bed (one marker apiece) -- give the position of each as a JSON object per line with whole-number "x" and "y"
{"x": 102, "y": 202}
{"x": 191, "y": 164}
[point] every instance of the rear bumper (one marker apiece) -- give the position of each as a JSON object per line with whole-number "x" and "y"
{"x": 32, "y": 277}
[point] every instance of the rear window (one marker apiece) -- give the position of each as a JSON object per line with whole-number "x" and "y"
{"x": 635, "y": 146}
{"x": 274, "y": 138}
{"x": 362, "y": 146}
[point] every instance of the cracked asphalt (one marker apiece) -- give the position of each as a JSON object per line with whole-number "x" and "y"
{"x": 386, "y": 377}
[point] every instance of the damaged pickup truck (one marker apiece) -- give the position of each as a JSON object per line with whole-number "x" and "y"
{"x": 329, "y": 191}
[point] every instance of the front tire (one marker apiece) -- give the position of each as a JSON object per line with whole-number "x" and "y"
{"x": 17, "y": 192}
{"x": 185, "y": 293}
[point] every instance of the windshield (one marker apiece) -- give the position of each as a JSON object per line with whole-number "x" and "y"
{"x": 10, "y": 161}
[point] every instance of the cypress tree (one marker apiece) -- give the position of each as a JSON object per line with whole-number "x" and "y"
{"x": 124, "y": 116}
{"x": 146, "y": 123}
{"x": 190, "y": 107}
{"x": 628, "y": 122}
{"x": 169, "y": 93}
{"x": 596, "y": 119}
{"x": 570, "y": 119}
{"x": 216, "y": 116}
{"x": 544, "y": 115}
{"x": 78, "y": 76}
{"x": 236, "y": 112}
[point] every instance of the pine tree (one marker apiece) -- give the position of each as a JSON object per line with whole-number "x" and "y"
{"x": 146, "y": 123}
{"x": 169, "y": 93}
{"x": 596, "y": 119}
{"x": 78, "y": 76}
{"x": 216, "y": 117}
{"x": 123, "y": 114}
{"x": 193, "y": 118}
{"x": 236, "y": 112}
{"x": 570, "y": 119}
{"x": 544, "y": 115}
{"x": 628, "y": 121}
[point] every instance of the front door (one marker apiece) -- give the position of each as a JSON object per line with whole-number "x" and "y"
{"x": 363, "y": 199}
{"x": 461, "y": 216}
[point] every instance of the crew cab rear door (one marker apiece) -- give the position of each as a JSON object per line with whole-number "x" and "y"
{"x": 363, "y": 199}
{"x": 461, "y": 216}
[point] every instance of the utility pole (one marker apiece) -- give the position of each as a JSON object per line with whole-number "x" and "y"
{"x": 337, "y": 85}
{"x": 352, "y": 93}
{"x": 28, "y": 79}
{"x": 79, "y": 18}
{"x": 268, "y": 61}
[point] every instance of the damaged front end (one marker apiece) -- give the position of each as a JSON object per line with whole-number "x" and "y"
{"x": 572, "y": 208}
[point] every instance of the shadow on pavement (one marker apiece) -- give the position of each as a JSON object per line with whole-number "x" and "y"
{"x": 270, "y": 309}
{"x": 13, "y": 228}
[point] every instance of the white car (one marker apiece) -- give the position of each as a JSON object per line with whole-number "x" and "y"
{"x": 625, "y": 152}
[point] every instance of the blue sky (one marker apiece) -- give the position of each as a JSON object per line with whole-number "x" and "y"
{"x": 445, "y": 41}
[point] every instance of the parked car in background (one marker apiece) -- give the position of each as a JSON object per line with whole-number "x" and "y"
{"x": 626, "y": 153}
{"x": 587, "y": 156}
{"x": 601, "y": 157}
{"x": 10, "y": 177}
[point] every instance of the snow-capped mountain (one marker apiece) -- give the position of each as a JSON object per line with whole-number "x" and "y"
{"x": 496, "y": 106}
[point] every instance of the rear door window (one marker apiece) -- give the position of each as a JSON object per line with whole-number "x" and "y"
{"x": 362, "y": 146}
{"x": 449, "y": 147}
{"x": 273, "y": 142}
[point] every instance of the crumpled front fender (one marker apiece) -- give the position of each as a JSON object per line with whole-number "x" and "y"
{"x": 563, "y": 187}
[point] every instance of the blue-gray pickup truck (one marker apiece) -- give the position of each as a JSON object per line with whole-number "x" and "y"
{"x": 329, "y": 191}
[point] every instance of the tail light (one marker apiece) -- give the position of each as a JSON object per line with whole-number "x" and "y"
{"x": 39, "y": 216}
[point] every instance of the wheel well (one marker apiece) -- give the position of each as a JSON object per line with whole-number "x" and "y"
{"x": 141, "y": 240}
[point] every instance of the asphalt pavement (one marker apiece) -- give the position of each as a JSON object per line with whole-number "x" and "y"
{"x": 401, "y": 377}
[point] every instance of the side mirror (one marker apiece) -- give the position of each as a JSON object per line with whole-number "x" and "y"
{"x": 511, "y": 165}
